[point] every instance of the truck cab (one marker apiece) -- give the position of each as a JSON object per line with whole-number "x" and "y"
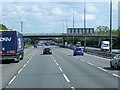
{"x": 105, "y": 46}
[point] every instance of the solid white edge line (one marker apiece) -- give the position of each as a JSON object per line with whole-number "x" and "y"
{"x": 12, "y": 80}
{"x": 66, "y": 78}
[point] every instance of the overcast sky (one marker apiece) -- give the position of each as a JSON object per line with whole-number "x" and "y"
{"x": 55, "y": 16}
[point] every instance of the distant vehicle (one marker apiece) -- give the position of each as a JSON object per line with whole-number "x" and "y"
{"x": 35, "y": 46}
{"x": 47, "y": 51}
{"x": 12, "y": 45}
{"x": 115, "y": 61}
{"x": 78, "y": 51}
{"x": 46, "y": 44}
{"x": 39, "y": 44}
{"x": 78, "y": 44}
{"x": 105, "y": 46}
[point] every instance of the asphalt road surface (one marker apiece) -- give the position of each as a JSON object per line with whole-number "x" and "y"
{"x": 59, "y": 70}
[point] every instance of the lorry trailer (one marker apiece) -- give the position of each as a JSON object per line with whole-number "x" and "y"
{"x": 11, "y": 45}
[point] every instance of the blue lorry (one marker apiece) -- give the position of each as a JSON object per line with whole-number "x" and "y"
{"x": 11, "y": 45}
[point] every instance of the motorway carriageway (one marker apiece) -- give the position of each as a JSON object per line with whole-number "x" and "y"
{"x": 59, "y": 70}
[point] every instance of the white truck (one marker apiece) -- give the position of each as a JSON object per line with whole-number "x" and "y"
{"x": 105, "y": 45}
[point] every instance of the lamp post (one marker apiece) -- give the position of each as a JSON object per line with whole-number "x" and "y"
{"x": 73, "y": 26}
{"x": 110, "y": 26}
{"x": 21, "y": 26}
{"x": 84, "y": 25}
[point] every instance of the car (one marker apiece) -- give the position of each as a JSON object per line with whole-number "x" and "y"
{"x": 115, "y": 61}
{"x": 47, "y": 51}
{"x": 78, "y": 51}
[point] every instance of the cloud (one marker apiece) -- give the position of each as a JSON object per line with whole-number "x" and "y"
{"x": 91, "y": 9}
{"x": 57, "y": 11}
{"x": 89, "y": 17}
{"x": 36, "y": 8}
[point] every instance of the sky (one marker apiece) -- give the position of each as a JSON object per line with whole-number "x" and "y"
{"x": 55, "y": 16}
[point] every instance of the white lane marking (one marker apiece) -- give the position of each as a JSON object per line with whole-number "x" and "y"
{"x": 101, "y": 58}
{"x": 20, "y": 70}
{"x": 90, "y": 63}
{"x": 102, "y": 69}
{"x": 27, "y": 62}
{"x": 72, "y": 88}
{"x": 54, "y": 59}
{"x": 24, "y": 65}
{"x": 66, "y": 78}
{"x": 82, "y": 60}
{"x": 116, "y": 75}
{"x": 12, "y": 80}
{"x": 57, "y": 64}
{"x": 60, "y": 69}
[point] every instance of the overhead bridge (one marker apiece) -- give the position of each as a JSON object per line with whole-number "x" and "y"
{"x": 57, "y": 35}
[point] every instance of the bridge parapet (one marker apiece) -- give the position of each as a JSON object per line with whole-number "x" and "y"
{"x": 66, "y": 35}
{"x": 40, "y": 34}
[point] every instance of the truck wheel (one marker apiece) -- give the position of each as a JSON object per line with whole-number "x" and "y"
{"x": 111, "y": 64}
{"x": 116, "y": 66}
{"x": 21, "y": 56}
{"x": 17, "y": 59}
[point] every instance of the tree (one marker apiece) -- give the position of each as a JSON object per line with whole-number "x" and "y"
{"x": 3, "y": 27}
{"x": 102, "y": 29}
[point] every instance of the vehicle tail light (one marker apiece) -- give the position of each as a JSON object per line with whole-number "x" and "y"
{"x": 11, "y": 52}
{"x": 1, "y": 52}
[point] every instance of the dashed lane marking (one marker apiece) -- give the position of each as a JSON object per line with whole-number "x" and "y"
{"x": 66, "y": 78}
{"x": 101, "y": 58}
{"x": 24, "y": 65}
{"x": 57, "y": 64}
{"x": 20, "y": 70}
{"x": 60, "y": 69}
{"x": 12, "y": 80}
{"x": 72, "y": 88}
{"x": 102, "y": 69}
{"x": 90, "y": 63}
{"x": 116, "y": 75}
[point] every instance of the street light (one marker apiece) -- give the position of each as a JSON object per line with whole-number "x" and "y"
{"x": 84, "y": 25}
{"x": 110, "y": 26}
{"x": 21, "y": 26}
{"x": 73, "y": 26}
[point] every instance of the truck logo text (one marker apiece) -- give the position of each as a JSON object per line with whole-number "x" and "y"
{"x": 7, "y": 39}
